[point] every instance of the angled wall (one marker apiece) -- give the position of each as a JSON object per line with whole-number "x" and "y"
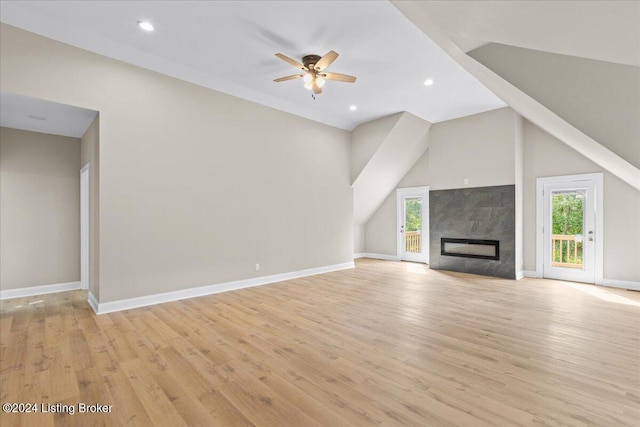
{"x": 602, "y": 99}
{"x": 366, "y": 139}
{"x": 402, "y": 146}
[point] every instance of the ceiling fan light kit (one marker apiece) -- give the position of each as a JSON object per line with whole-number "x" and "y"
{"x": 313, "y": 66}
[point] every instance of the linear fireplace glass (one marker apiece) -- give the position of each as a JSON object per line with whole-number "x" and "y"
{"x": 470, "y": 248}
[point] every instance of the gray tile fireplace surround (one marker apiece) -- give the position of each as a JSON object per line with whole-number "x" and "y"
{"x": 474, "y": 213}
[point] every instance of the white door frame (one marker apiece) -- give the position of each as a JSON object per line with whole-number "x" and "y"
{"x": 84, "y": 227}
{"x": 599, "y": 221}
{"x": 401, "y": 194}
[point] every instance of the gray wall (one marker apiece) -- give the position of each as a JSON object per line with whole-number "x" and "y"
{"x": 39, "y": 209}
{"x": 486, "y": 213}
{"x": 196, "y": 186}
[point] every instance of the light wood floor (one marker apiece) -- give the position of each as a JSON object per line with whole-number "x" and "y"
{"x": 386, "y": 343}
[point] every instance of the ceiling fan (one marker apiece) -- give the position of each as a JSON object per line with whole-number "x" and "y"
{"x": 313, "y": 66}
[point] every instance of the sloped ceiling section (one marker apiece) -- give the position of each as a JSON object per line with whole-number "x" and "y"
{"x": 404, "y": 144}
{"x": 532, "y": 110}
{"x": 603, "y": 30}
{"x": 594, "y": 96}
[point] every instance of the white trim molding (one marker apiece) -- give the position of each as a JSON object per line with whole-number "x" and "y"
{"x": 93, "y": 302}
{"x": 377, "y": 256}
{"x": 38, "y": 290}
{"x": 532, "y": 274}
{"x": 143, "y": 301}
{"x": 623, "y": 284}
{"x": 519, "y": 275}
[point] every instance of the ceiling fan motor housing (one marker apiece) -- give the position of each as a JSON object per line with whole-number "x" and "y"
{"x": 310, "y": 60}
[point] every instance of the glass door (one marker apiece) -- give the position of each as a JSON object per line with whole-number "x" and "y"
{"x": 569, "y": 231}
{"x": 413, "y": 224}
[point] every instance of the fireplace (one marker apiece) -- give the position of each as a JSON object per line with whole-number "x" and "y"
{"x": 470, "y": 248}
{"x": 473, "y": 230}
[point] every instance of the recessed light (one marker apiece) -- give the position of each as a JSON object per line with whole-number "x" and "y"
{"x": 34, "y": 117}
{"x": 353, "y": 108}
{"x": 428, "y": 82}
{"x": 145, "y": 25}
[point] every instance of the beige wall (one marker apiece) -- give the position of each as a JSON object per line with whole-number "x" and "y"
{"x": 39, "y": 209}
{"x": 196, "y": 186}
{"x": 479, "y": 147}
{"x": 89, "y": 150}
{"x": 546, "y": 156}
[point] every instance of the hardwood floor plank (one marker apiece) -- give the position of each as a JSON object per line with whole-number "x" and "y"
{"x": 157, "y": 405}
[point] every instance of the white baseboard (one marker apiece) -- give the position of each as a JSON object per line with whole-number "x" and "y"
{"x": 129, "y": 303}
{"x": 530, "y": 273}
{"x": 376, "y": 256}
{"x": 519, "y": 275}
{"x": 93, "y": 302}
{"x": 624, "y": 284}
{"x": 38, "y": 290}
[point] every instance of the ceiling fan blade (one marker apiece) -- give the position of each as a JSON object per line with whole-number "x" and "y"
{"x": 291, "y": 61}
{"x": 316, "y": 89}
{"x": 284, "y": 79}
{"x": 339, "y": 77}
{"x": 326, "y": 60}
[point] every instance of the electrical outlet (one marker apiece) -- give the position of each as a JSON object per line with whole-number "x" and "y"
{"x": 466, "y": 181}
{"x": 257, "y": 267}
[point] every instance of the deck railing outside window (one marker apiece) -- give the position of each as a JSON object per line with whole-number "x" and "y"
{"x": 413, "y": 242}
{"x": 566, "y": 251}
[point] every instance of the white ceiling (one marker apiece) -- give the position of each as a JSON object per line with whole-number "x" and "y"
{"x": 230, "y": 46}
{"x": 37, "y": 115}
